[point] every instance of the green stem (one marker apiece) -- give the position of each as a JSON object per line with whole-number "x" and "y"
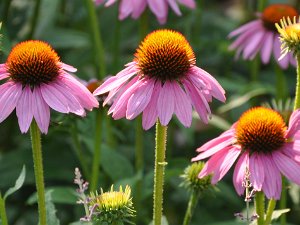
{"x": 159, "y": 169}
{"x": 3, "y": 215}
{"x": 191, "y": 207}
{"x": 261, "y": 5}
{"x": 282, "y": 202}
{"x": 281, "y": 84}
{"x": 78, "y": 150}
{"x": 109, "y": 131}
{"x": 97, "y": 150}
{"x": 98, "y": 45}
{"x": 34, "y": 20}
{"x": 38, "y": 170}
{"x": 271, "y": 207}
{"x": 297, "y": 94}
{"x": 260, "y": 207}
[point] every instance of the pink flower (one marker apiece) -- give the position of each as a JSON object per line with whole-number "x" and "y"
{"x": 261, "y": 36}
{"x": 37, "y": 80}
{"x": 261, "y": 142}
{"x": 161, "y": 81}
{"x": 135, "y": 8}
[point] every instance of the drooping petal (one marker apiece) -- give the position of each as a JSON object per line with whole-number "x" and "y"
{"x": 183, "y": 106}
{"x": 253, "y": 25}
{"x": 239, "y": 173}
{"x": 266, "y": 49}
{"x": 125, "y": 9}
{"x": 24, "y": 109}
{"x": 166, "y": 103}
{"x": 253, "y": 45}
{"x": 159, "y": 8}
{"x": 140, "y": 99}
{"x": 257, "y": 173}
{"x": 41, "y": 110}
{"x": 54, "y": 98}
{"x": 10, "y": 93}
{"x": 189, "y": 3}
{"x": 294, "y": 124}
{"x": 287, "y": 166}
{"x": 283, "y": 63}
{"x": 150, "y": 114}
{"x": 138, "y": 8}
{"x": 174, "y": 6}
{"x": 272, "y": 183}
{"x": 225, "y": 164}
{"x": 68, "y": 67}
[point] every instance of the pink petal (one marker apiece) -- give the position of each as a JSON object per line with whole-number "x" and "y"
{"x": 166, "y": 103}
{"x": 150, "y": 113}
{"x": 125, "y": 9}
{"x": 227, "y": 135}
{"x": 41, "y": 110}
{"x": 253, "y": 25}
{"x": 54, "y": 98}
{"x": 138, "y": 8}
{"x": 71, "y": 101}
{"x": 24, "y": 109}
{"x": 83, "y": 95}
{"x": 239, "y": 173}
{"x": 183, "y": 106}
{"x": 198, "y": 101}
{"x": 225, "y": 164}
{"x": 159, "y": 8}
{"x": 189, "y": 3}
{"x": 140, "y": 99}
{"x": 253, "y": 45}
{"x": 272, "y": 183}
{"x": 213, "y": 149}
{"x": 10, "y": 93}
{"x": 256, "y": 169}
{"x": 174, "y": 6}
{"x": 294, "y": 124}
{"x": 287, "y": 166}
{"x": 68, "y": 67}
{"x": 283, "y": 63}
{"x": 267, "y": 47}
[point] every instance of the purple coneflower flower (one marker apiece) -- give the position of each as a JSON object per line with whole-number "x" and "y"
{"x": 162, "y": 80}
{"x": 135, "y": 8}
{"x": 37, "y": 80}
{"x": 261, "y": 143}
{"x": 261, "y": 36}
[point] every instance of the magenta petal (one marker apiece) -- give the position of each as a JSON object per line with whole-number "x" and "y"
{"x": 226, "y": 163}
{"x": 68, "y": 67}
{"x": 189, "y": 3}
{"x": 166, "y": 103}
{"x": 159, "y": 8}
{"x": 246, "y": 27}
{"x": 183, "y": 106}
{"x": 287, "y": 166}
{"x": 272, "y": 184}
{"x": 10, "y": 93}
{"x": 294, "y": 124}
{"x": 239, "y": 173}
{"x": 267, "y": 47}
{"x": 150, "y": 113}
{"x": 140, "y": 99}
{"x": 174, "y": 6}
{"x": 24, "y": 109}
{"x": 253, "y": 45}
{"x": 125, "y": 9}
{"x": 256, "y": 169}
{"x": 41, "y": 110}
{"x": 138, "y": 8}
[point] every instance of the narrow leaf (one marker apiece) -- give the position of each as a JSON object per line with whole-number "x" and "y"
{"x": 19, "y": 183}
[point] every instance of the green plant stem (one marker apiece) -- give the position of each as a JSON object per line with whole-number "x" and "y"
{"x": 270, "y": 210}
{"x": 78, "y": 150}
{"x": 109, "y": 131}
{"x": 98, "y": 45}
{"x": 297, "y": 94}
{"x": 159, "y": 169}
{"x": 97, "y": 150}
{"x": 34, "y": 20}
{"x": 282, "y": 202}
{"x": 261, "y": 5}
{"x": 260, "y": 207}
{"x": 139, "y": 158}
{"x": 191, "y": 207}
{"x": 3, "y": 215}
{"x": 281, "y": 84}
{"x": 38, "y": 170}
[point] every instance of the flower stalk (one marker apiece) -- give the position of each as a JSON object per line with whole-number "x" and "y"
{"x": 271, "y": 207}
{"x": 3, "y": 215}
{"x": 297, "y": 94}
{"x": 159, "y": 170}
{"x": 191, "y": 207}
{"x": 38, "y": 170}
{"x": 260, "y": 207}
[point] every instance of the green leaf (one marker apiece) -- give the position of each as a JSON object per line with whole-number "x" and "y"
{"x": 19, "y": 183}
{"x": 276, "y": 214}
{"x": 116, "y": 165}
{"x": 238, "y": 101}
{"x": 63, "y": 195}
{"x": 50, "y": 210}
